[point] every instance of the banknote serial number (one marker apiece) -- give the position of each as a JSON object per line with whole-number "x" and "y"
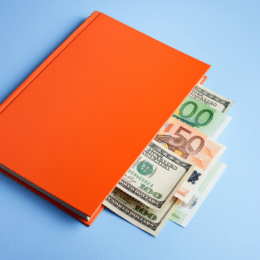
{"x": 145, "y": 212}
{"x": 148, "y": 187}
{"x": 141, "y": 178}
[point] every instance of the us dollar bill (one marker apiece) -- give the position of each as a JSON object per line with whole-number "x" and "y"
{"x": 211, "y": 99}
{"x": 184, "y": 212}
{"x": 155, "y": 176}
{"x": 132, "y": 210}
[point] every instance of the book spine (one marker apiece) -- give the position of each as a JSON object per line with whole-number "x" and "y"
{"x": 45, "y": 64}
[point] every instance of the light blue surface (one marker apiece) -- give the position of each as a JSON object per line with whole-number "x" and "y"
{"x": 225, "y": 34}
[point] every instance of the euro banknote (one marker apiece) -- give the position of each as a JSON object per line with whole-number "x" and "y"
{"x": 193, "y": 145}
{"x": 202, "y": 117}
{"x": 132, "y": 210}
{"x": 183, "y": 214}
{"x": 211, "y": 99}
{"x": 155, "y": 176}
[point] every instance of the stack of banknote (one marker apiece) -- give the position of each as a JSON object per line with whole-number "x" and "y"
{"x": 177, "y": 170}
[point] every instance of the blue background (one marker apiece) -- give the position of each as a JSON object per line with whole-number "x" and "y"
{"x": 225, "y": 34}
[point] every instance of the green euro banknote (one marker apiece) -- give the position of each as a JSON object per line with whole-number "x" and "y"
{"x": 183, "y": 214}
{"x": 202, "y": 117}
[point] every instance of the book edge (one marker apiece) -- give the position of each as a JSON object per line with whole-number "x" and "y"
{"x": 52, "y": 201}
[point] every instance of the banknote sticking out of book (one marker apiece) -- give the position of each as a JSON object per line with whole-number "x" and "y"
{"x": 178, "y": 169}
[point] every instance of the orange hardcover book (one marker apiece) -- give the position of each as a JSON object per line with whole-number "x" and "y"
{"x": 72, "y": 129}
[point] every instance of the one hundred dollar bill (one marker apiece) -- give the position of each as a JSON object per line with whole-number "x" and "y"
{"x": 193, "y": 145}
{"x": 183, "y": 214}
{"x": 211, "y": 99}
{"x": 132, "y": 210}
{"x": 202, "y": 117}
{"x": 155, "y": 176}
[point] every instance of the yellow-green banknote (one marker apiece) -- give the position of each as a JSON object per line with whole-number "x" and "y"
{"x": 183, "y": 214}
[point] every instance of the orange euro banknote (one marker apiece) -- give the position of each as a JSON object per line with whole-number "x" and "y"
{"x": 194, "y": 146}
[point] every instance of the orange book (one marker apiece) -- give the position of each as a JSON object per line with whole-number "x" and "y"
{"x": 72, "y": 129}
